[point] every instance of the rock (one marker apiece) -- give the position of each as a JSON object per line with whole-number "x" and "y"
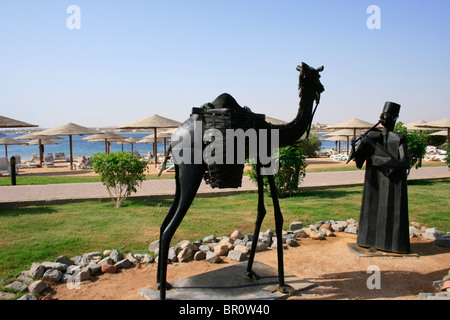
{"x": 209, "y": 239}
{"x": 73, "y": 269}
{"x": 434, "y": 296}
{"x": 295, "y": 225}
{"x": 236, "y": 255}
{"x": 268, "y": 233}
{"x": 154, "y": 247}
{"x": 205, "y": 248}
{"x": 351, "y": 221}
{"x": 65, "y": 260}
{"x": 106, "y": 260}
{"x": 107, "y": 268}
{"x": 200, "y": 255}
{"x": 147, "y": 258}
{"x": 9, "y": 277}
{"x": 55, "y": 265}
{"x": 185, "y": 255}
{"x": 261, "y": 246}
{"x": 187, "y": 244}
{"x": 94, "y": 268}
{"x": 17, "y": 286}
{"x": 228, "y": 242}
{"x": 212, "y": 257}
{"x": 116, "y": 255}
{"x": 107, "y": 253}
{"x": 351, "y": 229}
{"x": 28, "y": 296}
{"x": 80, "y": 261}
{"x": 37, "y": 286}
{"x": 91, "y": 255}
{"x": 266, "y": 240}
{"x": 317, "y": 235}
{"x": 291, "y": 242}
{"x": 25, "y": 279}
{"x": 414, "y": 232}
{"x": 52, "y": 275}
{"x": 132, "y": 259}
{"x": 36, "y": 271}
{"x": 221, "y": 249}
{"x": 172, "y": 254}
{"x": 123, "y": 264}
{"x": 324, "y": 227}
{"x": 242, "y": 249}
{"x": 247, "y": 238}
{"x": 431, "y": 234}
{"x": 300, "y": 234}
{"x": 307, "y": 231}
{"x": 329, "y": 233}
{"x": 236, "y": 235}
{"x": 6, "y": 296}
{"x": 319, "y": 224}
{"x": 416, "y": 225}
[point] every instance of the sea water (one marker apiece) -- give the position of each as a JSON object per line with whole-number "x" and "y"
{"x": 85, "y": 148}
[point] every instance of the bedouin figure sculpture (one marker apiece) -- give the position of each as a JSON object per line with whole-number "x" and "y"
{"x": 383, "y": 223}
{"x": 225, "y": 113}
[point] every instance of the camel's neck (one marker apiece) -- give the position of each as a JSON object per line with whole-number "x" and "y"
{"x": 291, "y": 132}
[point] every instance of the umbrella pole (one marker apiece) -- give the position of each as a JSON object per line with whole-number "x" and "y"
{"x": 155, "y": 149}
{"x": 71, "y": 155}
{"x": 41, "y": 154}
{"x": 6, "y": 150}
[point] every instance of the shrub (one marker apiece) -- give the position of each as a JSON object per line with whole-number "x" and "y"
{"x": 311, "y": 145}
{"x": 447, "y": 158}
{"x": 417, "y": 144}
{"x": 121, "y": 172}
{"x": 291, "y": 171}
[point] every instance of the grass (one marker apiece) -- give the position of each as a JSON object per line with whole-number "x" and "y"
{"x": 42, "y": 233}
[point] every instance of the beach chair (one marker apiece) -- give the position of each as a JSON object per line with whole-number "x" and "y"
{"x": 4, "y": 166}
{"x": 48, "y": 162}
{"x": 170, "y": 167}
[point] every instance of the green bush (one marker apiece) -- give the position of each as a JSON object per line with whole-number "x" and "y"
{"x": 417, "y": 144}
{"x": 311, "y": 146}
{"x": 447, "y": 158}
{"x": 121, "y": 172}
{"x": 291, "y": 171}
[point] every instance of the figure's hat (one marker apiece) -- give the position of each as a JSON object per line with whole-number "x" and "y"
{"x": 391, "y": 108}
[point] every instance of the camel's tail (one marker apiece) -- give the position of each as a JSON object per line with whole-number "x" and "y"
{"x": 163, "y": 167}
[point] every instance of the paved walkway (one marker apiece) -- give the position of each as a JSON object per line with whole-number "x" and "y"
{"x": 15, "y": 196}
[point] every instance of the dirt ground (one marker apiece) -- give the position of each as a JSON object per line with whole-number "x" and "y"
{"x": 336, "y": 270}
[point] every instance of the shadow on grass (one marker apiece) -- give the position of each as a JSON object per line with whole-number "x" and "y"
{"x": 427, "y": 182}
{"x": 27, "y": 210}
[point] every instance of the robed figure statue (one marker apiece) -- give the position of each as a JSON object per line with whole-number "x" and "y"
{"x": 383, "y": 223}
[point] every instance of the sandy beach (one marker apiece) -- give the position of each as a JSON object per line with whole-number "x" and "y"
{"x": 62, "y": 168}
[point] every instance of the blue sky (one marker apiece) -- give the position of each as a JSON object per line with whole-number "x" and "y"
{"x": 132, "y": 59}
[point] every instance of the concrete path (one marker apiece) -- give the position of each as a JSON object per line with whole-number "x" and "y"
{"x": 15, "y": 196}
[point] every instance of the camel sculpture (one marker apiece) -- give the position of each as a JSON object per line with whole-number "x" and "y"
{"x": 188, "y": 176}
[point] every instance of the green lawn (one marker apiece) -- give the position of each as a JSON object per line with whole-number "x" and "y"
{"x": 42, "y": 233}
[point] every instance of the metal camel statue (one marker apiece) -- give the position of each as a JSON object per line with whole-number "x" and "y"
{"x": 189, "y": 174}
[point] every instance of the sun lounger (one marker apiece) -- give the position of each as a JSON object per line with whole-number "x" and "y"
{"x": 4, "y": 166}
{"x": 170, "y": 167}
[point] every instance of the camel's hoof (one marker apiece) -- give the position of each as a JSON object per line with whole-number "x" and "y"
{"x": 252, "y": 275}
{"x": 286, "y": 289}
{"x": 168, "y": 286}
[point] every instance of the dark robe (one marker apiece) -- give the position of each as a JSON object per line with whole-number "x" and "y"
{"x": 383, "y": 223}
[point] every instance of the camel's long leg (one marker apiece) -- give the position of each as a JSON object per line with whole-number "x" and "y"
{"x": 169, "y": 218}
{"x": 279, "y": 230}
{"x": 189, "y": 177}
{"x": 259, "y": 219}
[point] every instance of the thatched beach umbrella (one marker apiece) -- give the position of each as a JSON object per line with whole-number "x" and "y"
{"x": 154, "y": 122}
{"x": 105, "y": 136}
{"x": 69, "y": 129}
{"x": 275, "y": 121}
{"x": 8, "y": 142}
{"x": 438, "y": 124}
{"x": 6, "y": 122}
{"x": 414, "y": 125}
{"x": 353, "y": 124}
{"x": 339, "y": 139}
{"x": 37, "y": 136}
{"x": 130, "y": 140}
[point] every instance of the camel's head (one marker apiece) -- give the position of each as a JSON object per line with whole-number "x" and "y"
{"x": 310, "y": 77}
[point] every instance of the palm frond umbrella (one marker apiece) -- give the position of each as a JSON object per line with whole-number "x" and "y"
{"x": 439, "y": 133}
{"x": 154, "y": 122}
{"x": 37, "y": 136}
{"x": 105, "y": 136}
{"x": 344, "y": 133}
{"x": 69, "y": 129}
{"x": 438, "y": 124}
{"x": 275, "y": 121}
{"x": 353, "y": 124}
{"x": 130, "y": 140}
{"x": 8, "y": 142}
{"x": 6, "y": 122}
{"x": 162, "y": 137}
{"x": 414, "y": 125}
{"x": 338, "y": 139}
